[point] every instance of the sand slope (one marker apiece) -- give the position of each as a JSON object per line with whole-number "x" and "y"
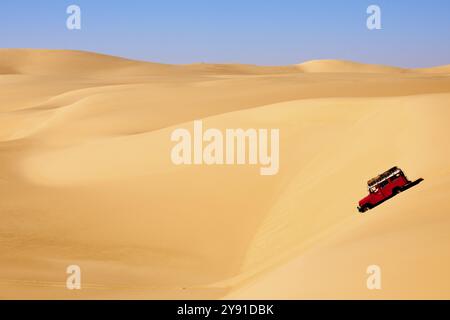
{"x": 86, "y": 179}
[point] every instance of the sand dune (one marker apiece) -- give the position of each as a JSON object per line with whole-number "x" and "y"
{"x": 86, "y": 179}
{"x": 60, "y": 62}
{"x": 333, "y": 66}
{"x": 440, "y": 69}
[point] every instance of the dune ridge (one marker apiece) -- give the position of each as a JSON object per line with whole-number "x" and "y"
{"x": 86, "y": 179}
{"x": 44, "y": 61}
{"x": 332, "y": 66}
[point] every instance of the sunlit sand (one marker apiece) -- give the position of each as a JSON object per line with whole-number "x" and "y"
{"x": 86, "y": 178}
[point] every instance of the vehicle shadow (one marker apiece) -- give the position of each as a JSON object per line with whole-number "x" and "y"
{"x": 412, "y": 184}
{"x": 408, "y": 186}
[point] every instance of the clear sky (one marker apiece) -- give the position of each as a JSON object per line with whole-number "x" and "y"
{"x": 415, "y": 33}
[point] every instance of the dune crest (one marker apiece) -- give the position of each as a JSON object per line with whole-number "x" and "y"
{"x": 440, "y": 69}
{"x": 43, "y": 61}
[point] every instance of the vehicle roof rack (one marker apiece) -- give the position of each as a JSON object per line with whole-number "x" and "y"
{"x": 385, "y": 175}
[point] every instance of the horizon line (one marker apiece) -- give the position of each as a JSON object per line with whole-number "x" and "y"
{"x": 221, "y": 63}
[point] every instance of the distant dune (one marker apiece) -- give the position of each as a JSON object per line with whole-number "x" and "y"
{"x": 56, "y": 62}
{"x": 339, "y": 66}
{"x": 86, "y": 178}
{"x": 41, "y": 62}
{"x": 440, "y": 69}
{"x": 49, "y": 62}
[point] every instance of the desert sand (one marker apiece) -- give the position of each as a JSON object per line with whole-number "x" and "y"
{"x": 86, "y": 179}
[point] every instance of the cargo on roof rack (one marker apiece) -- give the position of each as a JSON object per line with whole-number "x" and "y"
{"x": 385, "y": 175}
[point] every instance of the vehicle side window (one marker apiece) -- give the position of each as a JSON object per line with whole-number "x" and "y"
{"x": 383, "y": 184}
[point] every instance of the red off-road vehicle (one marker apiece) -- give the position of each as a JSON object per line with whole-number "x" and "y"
{"x": 383, "y": 187}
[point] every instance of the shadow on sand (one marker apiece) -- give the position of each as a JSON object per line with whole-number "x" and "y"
{"x": 408, "y": 186}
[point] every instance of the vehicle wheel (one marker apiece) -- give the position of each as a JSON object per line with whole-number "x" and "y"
{"x": 395, "y": 191}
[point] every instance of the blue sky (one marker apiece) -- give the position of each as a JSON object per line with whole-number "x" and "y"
{"x": 416, "y": 33}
